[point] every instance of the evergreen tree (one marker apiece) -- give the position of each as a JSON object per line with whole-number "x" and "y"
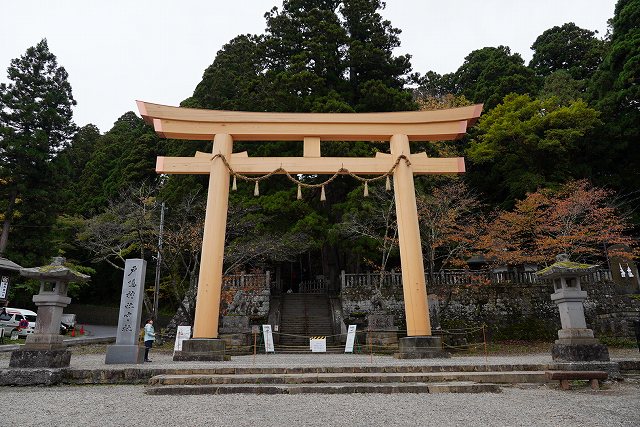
{"x": 315, "y": 56}
{"x": 570, "y": 48}
{"x": 376, "y": 77}
{"x": 70, "y": 163}
{"x": 122, "y": 157}
{"x": 304, "y": 56}
{"x": 489, "y": 74}
{"x": 615, "y": 89}
{"x": 525, "y": 144}
{"x": 232, "y": 81}
{"x": 35, "y": 123}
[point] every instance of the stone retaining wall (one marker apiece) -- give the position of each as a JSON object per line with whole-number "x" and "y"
{"x": 510, "y": 311}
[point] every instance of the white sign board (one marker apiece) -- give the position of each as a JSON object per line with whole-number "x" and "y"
{"x": 268, "y": 339}
{"x": 351, "y": 337}
{"x": 4, "y": 286}
{"x": 318, "y": 345}
{"x": 183, "y": 333}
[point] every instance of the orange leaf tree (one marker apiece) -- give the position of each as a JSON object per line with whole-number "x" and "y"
{"x": 450, "y": 224}
{"x": 577, "y": 219}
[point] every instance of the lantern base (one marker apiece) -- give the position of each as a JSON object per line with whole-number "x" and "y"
{"x": 594, "y": 352}
{"x": 40, "y": 359}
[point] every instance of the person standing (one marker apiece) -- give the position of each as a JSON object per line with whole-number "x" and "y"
{"x": 149, "y": 338}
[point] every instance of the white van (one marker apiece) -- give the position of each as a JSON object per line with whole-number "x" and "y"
{"x": 10, "y": 321}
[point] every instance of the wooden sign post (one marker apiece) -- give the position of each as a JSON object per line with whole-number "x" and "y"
{"x": 224, "y": 127}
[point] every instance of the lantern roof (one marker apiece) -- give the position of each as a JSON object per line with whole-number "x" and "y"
{"x": 55, "y": 271}
{"x": 564, "y": 267}
{"x": 7, "y": 264}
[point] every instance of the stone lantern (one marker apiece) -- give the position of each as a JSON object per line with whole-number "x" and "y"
{"x": 575, "y": 342}
{"x": 45, "y": 348}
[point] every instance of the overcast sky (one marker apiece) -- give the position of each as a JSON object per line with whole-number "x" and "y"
{"x": 117, "y": 51}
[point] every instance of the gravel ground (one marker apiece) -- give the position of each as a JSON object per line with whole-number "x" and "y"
{"x": 615, "y": 405}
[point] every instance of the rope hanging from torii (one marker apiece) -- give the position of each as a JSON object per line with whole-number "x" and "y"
{"x": 341, "y": 171}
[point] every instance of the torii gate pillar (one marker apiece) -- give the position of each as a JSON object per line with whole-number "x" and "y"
{"x": 215, "y": 224}
{"x": 419, "y": 342}
{"x": 413, "y": 283}
{"x": 205, "y": 344}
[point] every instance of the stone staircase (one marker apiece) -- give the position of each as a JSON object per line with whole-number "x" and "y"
{"x": 341, "y": 380}
{"x": 303, "y": 316}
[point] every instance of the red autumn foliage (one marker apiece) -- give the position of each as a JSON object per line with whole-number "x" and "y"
{"x": 578, "y": 219}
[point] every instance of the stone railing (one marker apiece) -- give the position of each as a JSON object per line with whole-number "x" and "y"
{"x": 377, "y": 280}
{"x": 247, "y": 281}
{"x": 314, "y": 286}
{"x": 458, "y": 277}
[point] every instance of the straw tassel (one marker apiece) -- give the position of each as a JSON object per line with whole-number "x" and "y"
{"x": 388, "y": 185}
{"x": 299, "y": 192}
{"x": 234, "y": 186}
{"x": 256, "y": 190}
{"x": 366, "y": 189}
{"x": 323, "y": 197}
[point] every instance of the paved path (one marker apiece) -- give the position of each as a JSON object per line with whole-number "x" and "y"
{"x": 99, "y": 331}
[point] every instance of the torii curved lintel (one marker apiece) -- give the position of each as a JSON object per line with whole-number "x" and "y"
{"x": 199, "y": 124}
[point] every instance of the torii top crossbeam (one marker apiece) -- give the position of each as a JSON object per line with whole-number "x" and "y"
{"x": 224, "y": 127}
{"x": 196, "y": 124}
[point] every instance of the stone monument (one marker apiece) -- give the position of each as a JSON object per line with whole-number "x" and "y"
{"x": 381, "y": 331}
{"x": 126, "y": 348}
{"x": 236, "y": 332}
{"x": 575, "y": 342}
{"x": 45, "y": 347}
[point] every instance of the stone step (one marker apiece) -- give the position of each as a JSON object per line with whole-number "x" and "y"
{"x": 301, "y": 346}
{"x": 329, "y": 378}
{"x": 314, "y": 328}
{"x": 303, "y": 316}
{"x": 299, "y": 316}
{"x": 323, "y": 320}
{"x": 286, "y": 349}
{"x": 336, "y": 388}
{"x": 390, "y": 369}
{"x": 289, "y": 327}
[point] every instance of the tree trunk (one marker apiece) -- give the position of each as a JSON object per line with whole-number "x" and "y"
{"x": 8, "y": 216}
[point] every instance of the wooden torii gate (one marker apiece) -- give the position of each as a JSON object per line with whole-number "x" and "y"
{"x": 224, "y": 127}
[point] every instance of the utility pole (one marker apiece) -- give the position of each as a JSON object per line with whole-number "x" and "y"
{"x": 156, "y": 291}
